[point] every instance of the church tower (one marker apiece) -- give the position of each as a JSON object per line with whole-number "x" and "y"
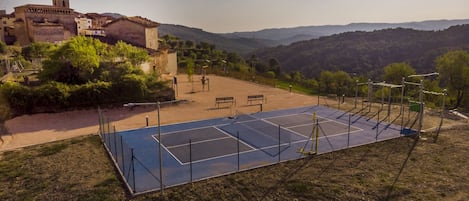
{"x": 61, "y": 3}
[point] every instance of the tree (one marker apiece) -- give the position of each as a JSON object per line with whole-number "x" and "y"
{"x": 326, "y": 81}
{"x": 454, "y": 73}
{"x": 75, "y": 61}
{"x": 342, "y": 80}
{"x": 126, "y": 52}
{"x": 3, "y": 48}
{"x": 37, "y": 50}
{"x": 394, "y": 72}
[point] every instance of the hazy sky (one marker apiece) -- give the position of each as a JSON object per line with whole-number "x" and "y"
{"x": 251, "y": 15}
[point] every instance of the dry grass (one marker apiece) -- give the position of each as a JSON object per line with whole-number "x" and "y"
{"x": 78, "y": 169}
{"x": 433, "y": 172}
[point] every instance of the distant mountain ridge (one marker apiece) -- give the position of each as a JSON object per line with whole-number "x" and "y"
{"x": 366, "y": 53}
{"x": 285, "y": 36}
{"x": 245, "y": 42}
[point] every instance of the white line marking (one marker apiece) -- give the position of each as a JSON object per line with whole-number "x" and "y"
{"x": 197, "y": 142}
{"x": 229, "y": 135}
{"x": 171, "y": 153}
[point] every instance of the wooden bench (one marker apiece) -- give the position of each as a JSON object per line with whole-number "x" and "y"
{"x": 256, "y": 98}
{"x": 221, "y": 100}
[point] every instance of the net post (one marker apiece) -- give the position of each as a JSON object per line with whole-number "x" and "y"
{"x": 190, "y": 158}
{"x": 237, "y": 147}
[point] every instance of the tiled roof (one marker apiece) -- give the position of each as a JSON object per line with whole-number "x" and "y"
{"x": 139, "y": 20}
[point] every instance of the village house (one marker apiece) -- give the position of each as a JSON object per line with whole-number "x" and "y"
{"x": 139, "y": 31}
{"x": 58, "y": 22}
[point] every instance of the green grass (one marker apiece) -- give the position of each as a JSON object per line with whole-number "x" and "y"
{"x": 295, "y": 87}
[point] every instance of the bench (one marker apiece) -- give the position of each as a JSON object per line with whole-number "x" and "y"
{"x": 221, "y": 100}
{"x": 256, "y": 98}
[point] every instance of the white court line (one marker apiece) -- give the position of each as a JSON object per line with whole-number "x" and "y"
{"x": 286, "y": 128}
{"x": 229, "y": 135}
{"x": 223, "y": 132}
{"x": 343, "y": 123}
{"x": 164, "y": 147}
{"x": 197, "y": 142}
{"x": 253, "y": 148}
{"x": 192, "y": 129}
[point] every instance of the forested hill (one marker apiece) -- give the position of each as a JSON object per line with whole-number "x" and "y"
{"x": 238, "y": 45}
{"x": 368, "y": 52}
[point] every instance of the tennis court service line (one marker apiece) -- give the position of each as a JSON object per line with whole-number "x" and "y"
{"x": 198, "y": 142}
{"x": 167, "y": 150}
{"x": 235, "y": 138}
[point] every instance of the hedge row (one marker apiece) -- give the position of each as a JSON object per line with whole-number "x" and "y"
{"x": 56, "y": 96}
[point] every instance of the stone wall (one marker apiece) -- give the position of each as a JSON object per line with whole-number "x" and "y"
{"x": 31, "y": 14}
{"x": 47, "y": 33}
{"x": 151, "y": 37}
{"x": 127, "y": 31}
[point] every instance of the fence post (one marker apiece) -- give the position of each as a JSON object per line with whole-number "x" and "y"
{"x": 279, "y": 143}
{"x": 237, "y": 138}
{"x": 122, "y": 155}
{"x": 348, "y": 131}
{"x": 190, "y": 158}
{"x": 133, "y": 169}
{"x": 377, "y": 126}
{"x": 115, "y": 141}
{"x": 108, "y": 134}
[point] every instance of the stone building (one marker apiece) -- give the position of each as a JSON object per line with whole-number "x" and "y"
{"x": 83, "y": 24}
{"x": 138, "y": 31}
{"x": 7, "y": 26}
{"x": 98, "y": 20}
{"x": 46, "y": 21}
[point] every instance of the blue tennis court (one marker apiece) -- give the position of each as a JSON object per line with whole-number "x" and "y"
{"x": 198, "y": 150}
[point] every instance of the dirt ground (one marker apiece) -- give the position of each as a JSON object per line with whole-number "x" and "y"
{"x": 198, "y": 103}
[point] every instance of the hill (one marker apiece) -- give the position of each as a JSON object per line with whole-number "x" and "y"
{"x": 367, "y": 52}
{"x": 285, "y": 36}
{"x": 238, "y": 45}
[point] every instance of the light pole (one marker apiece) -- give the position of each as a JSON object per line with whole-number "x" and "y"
{"x": 159, "y": 134}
